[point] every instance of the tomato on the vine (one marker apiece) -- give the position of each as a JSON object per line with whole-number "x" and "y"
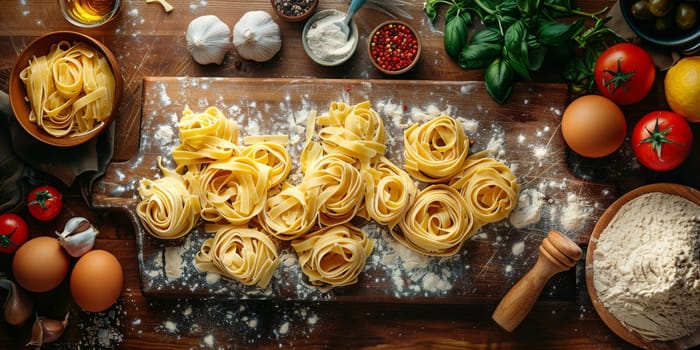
{"x": 13, "y": 232}
{"x": 45, "y": 203}
{"x": 662, "y": 140}
{"x": 624, "y": 73}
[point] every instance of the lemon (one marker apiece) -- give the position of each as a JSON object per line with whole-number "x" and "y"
{"x": 682, "y": 88}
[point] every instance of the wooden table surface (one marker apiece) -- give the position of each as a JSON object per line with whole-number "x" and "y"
{"x": 150, "y": 42}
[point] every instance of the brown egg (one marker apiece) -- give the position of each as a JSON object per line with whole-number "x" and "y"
{"x": 96, "y": 281}
{"x": 593, "y": 126}
{"x": 40, "y": 264}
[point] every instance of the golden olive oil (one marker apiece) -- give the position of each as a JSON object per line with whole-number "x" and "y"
{"x": 90, "y": 11}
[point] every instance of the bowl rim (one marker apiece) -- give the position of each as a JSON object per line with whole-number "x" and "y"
{"x": 610, "y": 321}
{"x": 402, "y": 70}
{"x": 305, "y": 15}
{"x": 691, "y": 38}
{"x": 20, "y": 108}
{"x": 317, "y": 16}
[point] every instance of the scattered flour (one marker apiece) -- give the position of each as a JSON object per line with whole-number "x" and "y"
{"x": 575, "y": 212}
{"x": 529, "y": 208}
{"x": 518, "y": 248}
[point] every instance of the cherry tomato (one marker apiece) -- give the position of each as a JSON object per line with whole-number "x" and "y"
{"x": 624, "y": 73}
{"x": 662, "y": 140}
{"x": 13, "y": 232}
{"x": 45, "y": 203}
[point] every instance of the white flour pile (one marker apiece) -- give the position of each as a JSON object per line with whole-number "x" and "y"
{"x": 647, "y": 266}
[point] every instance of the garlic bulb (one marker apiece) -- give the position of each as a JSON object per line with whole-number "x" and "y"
{"x": 208, "y": 39}
{"x": 257, "y": 37}
{"x": 78, "y": 236}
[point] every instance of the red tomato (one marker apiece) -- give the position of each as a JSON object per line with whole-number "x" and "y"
{"x": 624, "y": 73}
{"x": 45, "y": 203}
{"x": 13, "y": 232}
{"x": 662, "y": 140}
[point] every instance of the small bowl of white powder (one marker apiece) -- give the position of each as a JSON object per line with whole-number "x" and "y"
{"x": 323, "y": 40}
{"x": 643, "y": 266}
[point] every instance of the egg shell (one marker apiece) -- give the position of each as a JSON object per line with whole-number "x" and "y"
{"x": 593, "y": 126}
{"x": 96, "y": 281}
{"x": 40, "y": 264}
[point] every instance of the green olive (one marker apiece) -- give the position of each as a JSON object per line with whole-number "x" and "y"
{"x": 660, "y": 8}
{"x": 640, "y": 10}
{"x": 663, "y": 24}
{"x": 686, "y": 16}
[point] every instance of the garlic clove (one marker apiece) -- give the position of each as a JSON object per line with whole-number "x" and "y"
{"x": 208, "y": 39}
{"x": 78, "y": 236}
{"x": 45, "y": 330}
{"x": 18, "y": 307}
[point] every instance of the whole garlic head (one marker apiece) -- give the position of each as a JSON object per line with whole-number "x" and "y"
{"x": 208, "y": 39}
{"x": 257, "y": 37}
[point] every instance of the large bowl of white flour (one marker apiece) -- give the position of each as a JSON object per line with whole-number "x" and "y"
{"x": 643, "y": 266}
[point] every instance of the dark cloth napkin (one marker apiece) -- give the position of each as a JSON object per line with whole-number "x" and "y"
{"x": 26, "y": 162}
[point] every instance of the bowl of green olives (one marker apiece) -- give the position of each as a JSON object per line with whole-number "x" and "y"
{"x": 667, "y": 23}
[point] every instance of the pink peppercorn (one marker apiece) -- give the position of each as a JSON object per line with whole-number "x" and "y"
{"x": 394, "y": 46}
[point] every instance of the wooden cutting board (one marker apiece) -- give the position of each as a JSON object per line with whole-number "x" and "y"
{"x": 524, "y": 133}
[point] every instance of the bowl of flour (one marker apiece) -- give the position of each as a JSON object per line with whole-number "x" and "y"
{"x": 643, "y": 266}
{"x": 323, "y": 40}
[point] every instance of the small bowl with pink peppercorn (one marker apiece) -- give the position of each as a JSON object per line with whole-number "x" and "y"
{"x": 394, "y": 47}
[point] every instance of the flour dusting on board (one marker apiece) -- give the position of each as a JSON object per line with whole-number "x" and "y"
{"x": 405, "y": 274}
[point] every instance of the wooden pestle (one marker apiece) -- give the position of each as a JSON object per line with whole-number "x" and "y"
{"x": 558, "y": 253}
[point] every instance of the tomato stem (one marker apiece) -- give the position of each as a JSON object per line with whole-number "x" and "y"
{"x": 41, "y": 198}
{"x": 618, "y": 78}
{"x": 5, "y": 240}
{"x": 657, "y": 138}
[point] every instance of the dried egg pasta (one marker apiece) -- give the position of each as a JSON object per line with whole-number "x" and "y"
{"x": 435, "y": 151}
{"x": 389, "y": 192}
{"x": 334, "y": 255}
{"x": 167, "y": 209}
{"x": 71, "y": 90}
{"x": 489, "y": 187}
{"x": 242, "y": 254}
{"x": 437, "y": 223}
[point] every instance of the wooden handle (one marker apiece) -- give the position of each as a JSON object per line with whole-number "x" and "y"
{"x": 557, "y": 254}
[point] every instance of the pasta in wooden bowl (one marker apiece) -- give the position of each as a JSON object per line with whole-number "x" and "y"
{"x": 65, "y": 88}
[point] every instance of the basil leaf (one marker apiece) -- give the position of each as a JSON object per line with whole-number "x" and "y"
{"x": 528, "y": 8}
{"x": 455, "y": 36}
{"x": 430, "y": 10}
{"x": 499, "y": 79}
{"x": 489, "y": 6}
{"x": 515, "y": 38}
{"x": 451, "y": 13}
{"x": 536, "y": 57}
{"x": 554, "y": 33}
{"x": 489, "y": 35}
{"x": 478, "y": 55}
{"x": 520, "y": 65}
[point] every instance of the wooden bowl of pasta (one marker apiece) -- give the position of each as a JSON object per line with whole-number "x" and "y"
{"x": 65, "y": 88}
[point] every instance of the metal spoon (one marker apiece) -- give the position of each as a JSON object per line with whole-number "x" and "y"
{"x": 344, "y": 24}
